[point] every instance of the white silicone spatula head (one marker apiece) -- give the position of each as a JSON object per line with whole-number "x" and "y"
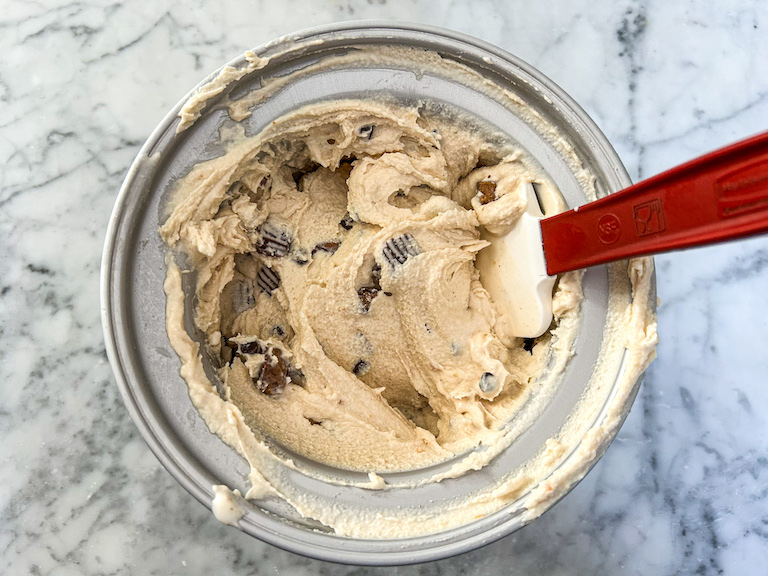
{"x": 514, "y": 272}
{"x": 720, "y": 196}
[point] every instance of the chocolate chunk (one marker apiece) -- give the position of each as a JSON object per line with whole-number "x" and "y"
{"x": 488, "y": 382}
{"x": 278, "y": 331}
{"x": 267, "y": 280}
{"x": 274, "y": 242}
{"x": 366, "y": 295}
{"x": 486, "y": 190}
{"x": 331, "y": 246}
{"x": 273, "y": 374}
{"x": 238, "y": 350}
{"x": 528, "y": 344}
{"x": 254, "y": 347}
{"x": 361, "y": 368}
{"x": 366, "y": 131}
{"x": 301, "y": 257}
{"x": 313, "y": 421}
{"x": 347, "y": 222}
{"x": 398, "y": 249}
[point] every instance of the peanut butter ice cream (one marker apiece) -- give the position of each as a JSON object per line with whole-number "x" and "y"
{"x": 336, "y": 284}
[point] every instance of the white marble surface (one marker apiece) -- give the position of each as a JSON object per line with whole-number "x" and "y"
{"x": 681, "y": 491}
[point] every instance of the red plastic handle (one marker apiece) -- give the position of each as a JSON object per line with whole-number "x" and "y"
{"x": 720, "y": 196}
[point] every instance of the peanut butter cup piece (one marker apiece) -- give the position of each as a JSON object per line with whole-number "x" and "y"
{"x": 273, "y": 241}
{"x": 398, "y": 249}
{"x": 361, "y": 368}
{"x": 347, "y": 222}
{"x": 238, "y": 350}
{"x": 273, "y": 374}
{"x": 267, "y": 280}
{"x": 486, "y": 190}
{"x": 366, "y": 295}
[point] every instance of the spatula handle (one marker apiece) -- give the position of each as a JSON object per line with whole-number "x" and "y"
{"x": 720, "y": 196}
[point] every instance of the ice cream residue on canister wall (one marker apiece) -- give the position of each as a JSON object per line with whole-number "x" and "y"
{"x": 342, "y": 309}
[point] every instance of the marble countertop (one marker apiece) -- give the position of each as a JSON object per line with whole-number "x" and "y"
{"x": 681, "y": 491}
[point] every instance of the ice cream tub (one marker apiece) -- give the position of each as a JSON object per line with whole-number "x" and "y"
{"x": 567, "y": 413}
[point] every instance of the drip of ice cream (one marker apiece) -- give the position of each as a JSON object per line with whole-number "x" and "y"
{"x": 226, "y": 507}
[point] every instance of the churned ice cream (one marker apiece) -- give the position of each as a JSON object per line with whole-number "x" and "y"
{"x": 337, "y": 287}
{"x": 343, "y": 318}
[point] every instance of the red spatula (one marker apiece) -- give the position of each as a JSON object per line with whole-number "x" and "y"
{"x": 720, "y": 196}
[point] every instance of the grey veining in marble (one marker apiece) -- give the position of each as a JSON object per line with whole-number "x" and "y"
{"x": 683, "y": 490}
